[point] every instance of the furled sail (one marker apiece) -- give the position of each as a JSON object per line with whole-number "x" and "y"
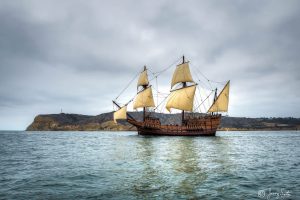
{"x": 143, "y": 79}
{"x": 144, "y": 99}
{"x": 182, "y": 99}
{"x": 182, "y": 74}
{"x": 120, "y": 114}
{"x": 221, "y": 103}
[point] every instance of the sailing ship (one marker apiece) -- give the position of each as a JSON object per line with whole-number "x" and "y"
{"x": 181, "y": 97}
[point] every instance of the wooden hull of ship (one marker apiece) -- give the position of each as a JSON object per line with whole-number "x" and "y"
{"x": 202, "y": 126}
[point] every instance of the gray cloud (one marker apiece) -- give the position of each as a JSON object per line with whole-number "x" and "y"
{"x": 78, "y": 55}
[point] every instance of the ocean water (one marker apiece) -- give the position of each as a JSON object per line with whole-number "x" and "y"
{"x": 123, "y": 165}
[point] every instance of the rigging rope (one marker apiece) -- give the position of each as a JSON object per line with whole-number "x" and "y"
{"x": 156, "y": 74}
{"x": 208, "y": 80}
{"x": 219, "y": 82}
{"x": 201, "y": 81}
{"x": 200, "y": 72}
{"x": 156, "y": 89}
{"x": 201, "y": 100}
{"x": 204, "y": 99}
{"x": 161, "y": 102}
{"x": 127, "y": 85}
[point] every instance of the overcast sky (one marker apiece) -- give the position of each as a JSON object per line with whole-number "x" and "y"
{"x": 78, "y": 55}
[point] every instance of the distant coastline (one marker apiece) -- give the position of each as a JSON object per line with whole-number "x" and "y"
{"x": 77, "y": 122}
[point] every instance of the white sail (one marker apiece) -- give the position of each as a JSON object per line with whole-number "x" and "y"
{"x": 182, "y": 99}
{"x": 120, "y": 114}
{"x": 143, "y": 79}
{"x": 182, "y": 74}
{"x": 221, "y": 103}
{"x": 144, "y": 99}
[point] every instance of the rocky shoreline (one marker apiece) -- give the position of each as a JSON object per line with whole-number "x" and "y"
{"x": 76, "y": 122}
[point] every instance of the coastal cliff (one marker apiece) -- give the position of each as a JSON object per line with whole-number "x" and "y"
{"x": 76, "y": 122}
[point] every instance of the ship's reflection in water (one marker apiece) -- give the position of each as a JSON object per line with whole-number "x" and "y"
{"x": 179, "y": 166}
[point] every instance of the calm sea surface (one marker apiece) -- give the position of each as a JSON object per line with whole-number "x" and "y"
{"x": 123, "y": 165}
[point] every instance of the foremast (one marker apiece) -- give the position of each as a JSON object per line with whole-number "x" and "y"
{"x": 144, "y": 98}
{"x": 144, "y": 83}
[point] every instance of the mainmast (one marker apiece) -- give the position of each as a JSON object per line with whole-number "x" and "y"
{"x": 183, "y": 86}
{"x": 182, "y": 98}
{"x": 144, "y": 87}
